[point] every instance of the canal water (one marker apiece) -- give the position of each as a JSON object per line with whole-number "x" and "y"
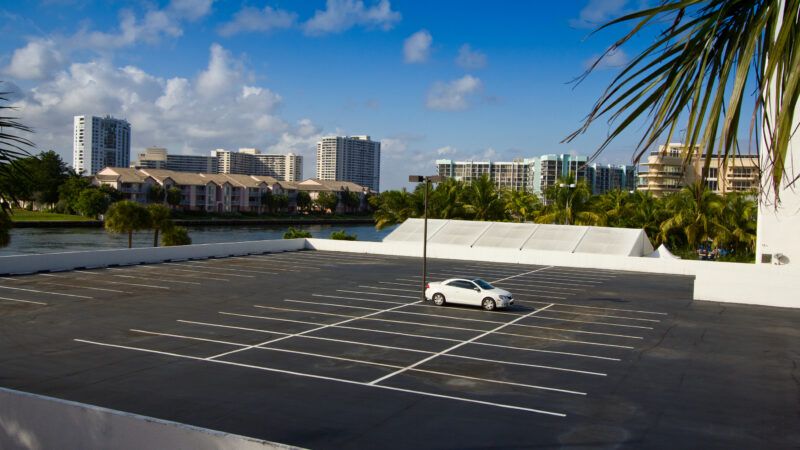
{"x": 53, "y": 240}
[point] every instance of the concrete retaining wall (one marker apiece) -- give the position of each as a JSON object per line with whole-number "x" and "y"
{"x": 758, "y": 284}
{"x": 34, "y": 422}
{"x": 20, "y": 264}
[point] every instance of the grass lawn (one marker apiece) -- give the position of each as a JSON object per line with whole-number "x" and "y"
{"x": 22, "y": 215}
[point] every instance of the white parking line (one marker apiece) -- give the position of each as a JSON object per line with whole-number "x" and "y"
{"x": 390, "y": 347}
{"x": 309, "y": 331}
{"x": 377, "y": 293}
{"x": 549, "y": 274}
{"x": 444, "y": 327}
{"x": 360, "y": 299}
{"x": 206, "y": 273}
{"x": 571, "y": 305}
{"x": 101, "y": 280}
{"x": 196, "y": 283}
{"x": 195, "y": 263}
{"x": 562, "y": 330}
{"x": 449, "y": 349}
{"x": 423, "y": 336}
{"x": 413, "y": 290}
{"x": 45, "y": 292}
{"x": 594, "y": 323}
{"x": 21, "y": 301}
{"x": 70, "y": 286}
{"x": 603, "y": 315}
{"x": 546, "y": 285}
{"x": 253, "y": 262}
{"x": 322, "y": 377}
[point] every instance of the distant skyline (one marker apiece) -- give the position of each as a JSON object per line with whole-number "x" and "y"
{"x": 487, "y": 80}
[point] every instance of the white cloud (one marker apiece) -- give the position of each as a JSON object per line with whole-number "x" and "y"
{"x": 231, "y": 113}
{"x": 417, "y": 47}
{"x": 250, "y": 19}
{"x": 597, "y": 12}
{"x": 612, "y": 59}
{"x": 35, "y": 61}
{"x": 341, "y": 15}
{"x": 452, "y": 96}
{"x": 155, "y": 25}
{"x": 470, "y": 59}
{"x": 191, "y": 9}
{"x": 446, "y": 151}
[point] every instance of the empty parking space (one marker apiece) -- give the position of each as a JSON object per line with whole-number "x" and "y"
{"x": 305, "y": 332}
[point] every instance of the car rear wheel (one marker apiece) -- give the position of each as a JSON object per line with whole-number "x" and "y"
{"x": 438, "y": 299}
{"x": 489, "y": 304}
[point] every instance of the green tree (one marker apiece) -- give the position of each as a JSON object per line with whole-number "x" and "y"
{"x": 327, "y": 201}
{"x": 112, "y": 193}
{"x": 447, "y": 200}
{"x": 48, "y": 174}
{"x": 351, "y": 201}
{"x": 156, "y": 194}
{"x": 392, "y": 207}
{"x": 268, "y": 200}
{"x": 126, "y": 217}
{"x": 91, "y": 203}
{"x": 647, "y": 212}
{"x": 13, "y": 145}
{"x": 176, "y": 236}
{"x": 174, "y": 197}
{"x": 281, "y": 201}
{"x": 522, "y": 206}
{"x": 695, "y": 212}
{"x": 483, "y": 200}
{"x": 303, "y": 200}
{"x": 294, "y": 233}
{"x": 737, "y": 227}
{"x": 160, "y": 220}
{"x": 616, "y": 205}
{"x": 696, "y": 74}
{"x": 69, "y": 192}
{"x": 569, "y": 203}
{"x": 342, "y": 235}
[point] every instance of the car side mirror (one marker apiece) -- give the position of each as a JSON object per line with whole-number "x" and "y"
{"x": 477, "y": 289}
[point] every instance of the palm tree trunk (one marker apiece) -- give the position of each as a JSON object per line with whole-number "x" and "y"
{"x": 130, "y": 239}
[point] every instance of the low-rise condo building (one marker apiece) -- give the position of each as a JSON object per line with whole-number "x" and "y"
{"x": 667, "y": 171}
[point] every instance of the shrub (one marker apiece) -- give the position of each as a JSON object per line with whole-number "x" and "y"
{"x": 175, "y": 236}
{"x": 294, "y": 233}
{"x": 341, "y": 235}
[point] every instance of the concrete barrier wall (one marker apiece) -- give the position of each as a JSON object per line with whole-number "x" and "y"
{"x": 758, "y": 284}
{"x": 21, "y": 264}
{"x": 34, "y": 422}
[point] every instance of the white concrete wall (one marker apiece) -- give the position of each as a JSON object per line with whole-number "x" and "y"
{"x": 20, "y": 264}
{"x": 34, "y": 422}
{"x": 763, "y": 284}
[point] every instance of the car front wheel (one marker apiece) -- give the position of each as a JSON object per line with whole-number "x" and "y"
{"x": 489, "y": 304}
{"x": 438, "y": 299}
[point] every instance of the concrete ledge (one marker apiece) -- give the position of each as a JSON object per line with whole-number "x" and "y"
{"x": 33, "y": 422}
{"x": 22, "y": 264}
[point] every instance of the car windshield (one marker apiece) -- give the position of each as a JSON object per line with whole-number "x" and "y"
{"x": 483, "y": 284}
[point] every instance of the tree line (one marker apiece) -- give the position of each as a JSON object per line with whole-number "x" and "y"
{"x": 683, "y": 220}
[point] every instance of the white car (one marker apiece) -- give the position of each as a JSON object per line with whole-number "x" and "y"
{"x": 467, "y": 291}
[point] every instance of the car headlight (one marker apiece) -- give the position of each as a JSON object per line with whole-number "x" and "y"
{"x": 505, "y": 297}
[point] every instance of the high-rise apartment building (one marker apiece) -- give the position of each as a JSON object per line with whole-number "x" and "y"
{"x": 552, "y": 167}
{"x": 667, "y": 171}
{"x": 604, "y": 178}
{"x": 158, "y": 158}
{"x": 100, "y": 142}
{"x": 250, "y": 161}
{"x": 350, "y": 158}
{"x": 514, "y": 174}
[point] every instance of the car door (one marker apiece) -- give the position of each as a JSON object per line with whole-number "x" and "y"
{"x": 475, "y": 293}
{"x": 460, "y": 292}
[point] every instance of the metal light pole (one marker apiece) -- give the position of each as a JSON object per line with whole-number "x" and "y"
{"x": 427, "y": 180}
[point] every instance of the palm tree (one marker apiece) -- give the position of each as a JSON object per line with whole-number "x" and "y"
{"x": 709, "y": 50}
{"x": 694, "y": 215}
{"x": 569, "y": 203}
{"x": 483, "y": 200}
{"x": 392, "y": 207}
{"x": 447, "y": 200}
{"x": 737, "y": 229}
{"x": 160, "y": 220}
{"x": 521, "y": 205}
{"x": 616, "y": 205}
{"x": 647, "y": 212}
{"x": 126, "y": 217}
{"x": 12, "y": 147}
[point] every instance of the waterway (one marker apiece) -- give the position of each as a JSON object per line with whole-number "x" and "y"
{"x": 54, "y": 240}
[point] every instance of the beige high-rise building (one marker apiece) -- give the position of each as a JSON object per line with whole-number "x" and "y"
{"x": 667, "y": 171}
{"x": 250, "y": 161}
{"x": 350, "y": 158}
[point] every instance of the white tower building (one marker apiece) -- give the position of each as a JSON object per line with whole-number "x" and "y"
{"x": 100, "y": 142}
{"x": 350, "y": 158}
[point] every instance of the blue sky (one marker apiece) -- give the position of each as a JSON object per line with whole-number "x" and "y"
{"x": 455, "y": 79}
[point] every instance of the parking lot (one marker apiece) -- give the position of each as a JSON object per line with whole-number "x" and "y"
{"x": 332, "y": 350}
